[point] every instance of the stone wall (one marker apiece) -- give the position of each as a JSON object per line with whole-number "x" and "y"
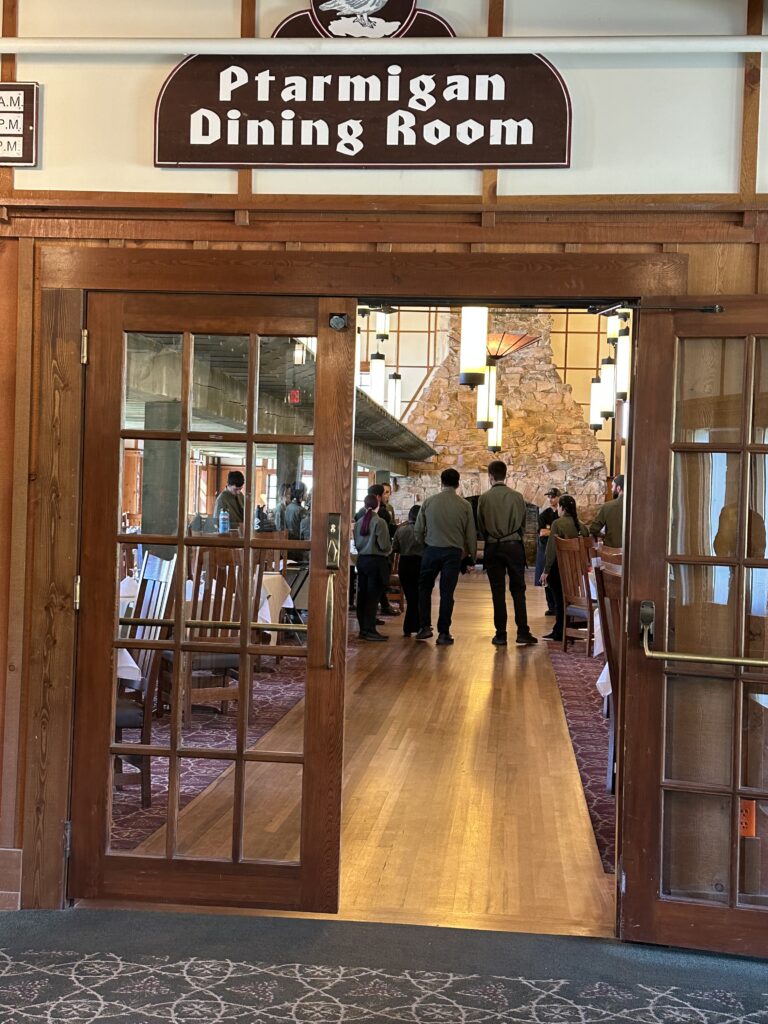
{"x": 546, "y": 442}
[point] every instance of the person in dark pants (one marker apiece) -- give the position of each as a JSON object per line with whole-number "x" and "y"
{"x": 547, "y": 516}
{"x": 446, "y": 526}
{"x": 410, "y": 551}
{"x": 501, "y": 514}
{"x": 568, "y": 526}
{"x": 373, "y": 545}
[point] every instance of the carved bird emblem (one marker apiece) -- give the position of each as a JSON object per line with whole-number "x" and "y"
{"x": 361, "y": 10}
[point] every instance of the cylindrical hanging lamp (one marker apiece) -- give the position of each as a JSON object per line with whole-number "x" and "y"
{"x": 608, "y": 388}
{"x": 486, "y": 397}
{"x": 382, "y": 326}
{"x": 395, "y": 395}
{"x": 623, "y": 356}
{"x": 613, "y": 327}
{"x": 595, "y": 395}
{"x": 379, "y": 377}
{"x": 495, "y": 434}
{"x": 474, "y": 341}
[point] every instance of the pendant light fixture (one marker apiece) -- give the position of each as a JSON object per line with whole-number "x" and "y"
{"x": 379, "y": 377}
{"x": 608, "y": 388}
{"x": 395, "y": 395}
{"x": 382, "y": 326}
{"x": 495, "y": 434}
{"x": 474, "y": 342}
{"x": 623, "y": 355}
{"x": 595, "y": 396}
{"x": 486, "y": 397}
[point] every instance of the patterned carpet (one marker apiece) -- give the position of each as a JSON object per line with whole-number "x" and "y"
{"x": 273, "y": 697}
{"x": 576, "y": 677}
{"x": 138, "y": 968}
{"x": 48, "y": 987}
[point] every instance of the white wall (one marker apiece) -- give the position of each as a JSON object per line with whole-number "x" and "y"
{"x": 641, "y": 124}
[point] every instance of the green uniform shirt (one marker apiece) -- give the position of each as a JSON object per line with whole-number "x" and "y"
{"x": 232, "y": 503}
{"x": 446, "y": 521}
{"x": 501, "y": 513}
{"x": 610, "y": 516}
{"x": 378, "y": 541}
{"x": 562, "y": 527}
{"x": 405, "y": 542}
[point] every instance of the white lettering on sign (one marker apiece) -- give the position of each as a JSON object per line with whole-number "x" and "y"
{"x": 11, "y": 124}
{"x": 11, "y": 99}
{"x": 10, "y": 146}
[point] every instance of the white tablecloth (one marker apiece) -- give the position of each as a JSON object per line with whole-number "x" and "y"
{"x": 129, "y": 591}
{"x": 603, "y": 683}
{"x": 127, "y": 667}
{"x": 275, "y": 594}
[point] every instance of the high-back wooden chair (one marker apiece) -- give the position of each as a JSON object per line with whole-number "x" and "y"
{"x": 611, "y": 556}
{"x": 608, "y": 579}
{"x": 579, "y": 606}
{"x": 394, "y": 587}
{"x": 216, "y": 589}
{"x": 136, "y": 698}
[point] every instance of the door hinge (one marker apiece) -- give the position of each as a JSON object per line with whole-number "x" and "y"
{"x": 67, "y": 839}
{"x": 622, "y": 881}
{"x": 76, "y": 597}
{"x": 84, "y": 346}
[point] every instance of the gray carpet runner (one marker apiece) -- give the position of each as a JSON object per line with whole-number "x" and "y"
{"x": 133, "y": 968}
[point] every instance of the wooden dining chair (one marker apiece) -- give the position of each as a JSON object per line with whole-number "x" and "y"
{"x": 608, "y": 579}
{"x": 136, "y": 698}
{"x": 394, "y": 587}
{"x": 579, "y": 606}
{"x": 216, "y": 580}
{"x": 611, "y": 556}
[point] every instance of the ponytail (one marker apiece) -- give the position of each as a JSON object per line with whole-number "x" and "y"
{"x": 568, "y": 505}
{"x": 371, "y": 504}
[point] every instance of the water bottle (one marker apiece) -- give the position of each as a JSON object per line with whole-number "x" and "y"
{"x": 223, "y": 521}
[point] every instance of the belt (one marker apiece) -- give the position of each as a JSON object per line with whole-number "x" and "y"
{"x": 505, "y": 540}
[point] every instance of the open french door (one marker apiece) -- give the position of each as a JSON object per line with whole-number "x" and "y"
{"x": 694, "y": 819}
{"x": 210, "y": 665}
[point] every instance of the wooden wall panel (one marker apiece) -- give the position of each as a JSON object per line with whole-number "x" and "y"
{"x": 721, "y": 269}
{"x": 8, "y": 314}
{"x": 52, "y": 619}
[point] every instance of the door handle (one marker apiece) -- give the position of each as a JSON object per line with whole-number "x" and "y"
{"x": 329, "y": 616}
{"x": 647, "y": 622}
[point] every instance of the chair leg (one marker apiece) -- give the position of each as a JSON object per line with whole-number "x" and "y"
{"x": 146, "y": 782}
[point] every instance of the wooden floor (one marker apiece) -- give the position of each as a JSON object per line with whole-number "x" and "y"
{"x": 462, "y": 800}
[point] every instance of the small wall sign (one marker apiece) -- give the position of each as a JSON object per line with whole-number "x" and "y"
{"x": 364, "y": 111}
{"x": 18, "y": 124}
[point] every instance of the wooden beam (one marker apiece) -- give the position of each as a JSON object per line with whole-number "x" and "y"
{"x": 491, "y": 177}
{"x": 13, "y": 735}
{"x": 53, "y": 567}
{"x": 421, "y": 276}
{"x": 247, "y": 31}
{"x": 750, "y": 118}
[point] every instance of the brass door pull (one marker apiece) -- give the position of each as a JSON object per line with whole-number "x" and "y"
{"x": 647, "y": 622}
{"x": 329, "y": 615}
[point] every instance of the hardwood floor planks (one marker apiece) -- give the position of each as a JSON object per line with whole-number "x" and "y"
{"x": 462, "y": 800}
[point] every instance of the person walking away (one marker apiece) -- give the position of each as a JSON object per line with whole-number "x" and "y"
{"x": 547, "y": 516}
{"x": 446, "y": 527}
{"x": 410, "y": 550}
{"x": 231, "y": 500}
{"x": 568, "y": 526}
{"x": 282, "y": 505}
{"x": 381, "y": 491}
{"x": 373, "y": 545}
{"x": 610, "y": 517}
{"x": 295, "y": 512}
{"x": 501, "y": 515}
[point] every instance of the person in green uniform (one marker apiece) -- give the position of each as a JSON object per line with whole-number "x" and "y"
{"x": 568, "y": 526}
{"x": 501, "y": 515}
{"x": 231, "y": 500}
{"x": 611, "y": 517}
{"x": 373, "y": 545}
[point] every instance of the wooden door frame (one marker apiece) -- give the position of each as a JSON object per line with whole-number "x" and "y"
{"x": 64, "y": 274}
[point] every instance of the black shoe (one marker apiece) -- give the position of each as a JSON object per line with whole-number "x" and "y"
{"x": 500, "y": 640}
{"x": 550, "y": 614}
{"x": 525, "y": 640}
{"x": 387, "y": 609}
{"x": 553, "y": 636}
{"x": 425, "y": 633}
{"x": 380, "y": 622}
{"x": 444, "y": 640}
{"x": 409, "y": 635}
{"x": 377, "y": 637}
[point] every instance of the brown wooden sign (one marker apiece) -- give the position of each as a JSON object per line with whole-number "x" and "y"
{"x": 18, "y": 124}
{"x": 353, "y": 111}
